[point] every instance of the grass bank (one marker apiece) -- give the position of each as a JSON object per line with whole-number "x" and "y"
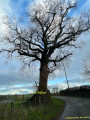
{"x": 20, "y": 112}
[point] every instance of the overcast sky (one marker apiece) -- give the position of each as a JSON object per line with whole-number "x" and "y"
{"x": 14, "y": 81}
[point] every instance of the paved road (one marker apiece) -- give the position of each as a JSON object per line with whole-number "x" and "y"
{"x": 75, "y": 107}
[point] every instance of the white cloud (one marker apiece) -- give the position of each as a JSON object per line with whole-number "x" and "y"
{"x": 62, "y": 86}
{"x": 4, "y": 10}
{"x": 2, "y": 27}
{"x": 5, "y": 6}
{"x": 73, "y": 1}
{"x": 19, "y": 91}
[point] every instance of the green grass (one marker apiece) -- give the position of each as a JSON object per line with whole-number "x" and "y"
{"x": 21, "y": 112}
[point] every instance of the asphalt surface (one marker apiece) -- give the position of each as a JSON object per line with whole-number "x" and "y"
{"x": 75, "y": 107}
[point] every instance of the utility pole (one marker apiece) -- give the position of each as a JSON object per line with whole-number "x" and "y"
{"x": 66, "y": 75}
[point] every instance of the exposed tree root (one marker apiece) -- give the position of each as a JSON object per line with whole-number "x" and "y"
{"x": 39, "y": 99}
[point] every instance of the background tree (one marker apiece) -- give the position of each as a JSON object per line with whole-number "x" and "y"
{"x": 47, "y": 35}
{"x": 55, "y": 90}
{"x": 86, "y": 66}
{"x": 35, "y": 86}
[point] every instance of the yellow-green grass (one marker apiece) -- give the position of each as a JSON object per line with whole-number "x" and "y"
{"x": 21, "y": 112}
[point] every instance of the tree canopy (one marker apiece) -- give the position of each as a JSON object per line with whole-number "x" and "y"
{"x": 49, "y": 33}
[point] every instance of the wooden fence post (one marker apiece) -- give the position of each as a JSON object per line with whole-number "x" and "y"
{"x": 29, "y": 102}
{"x": 23, "y": 96}
{"x": 12, "y": 107}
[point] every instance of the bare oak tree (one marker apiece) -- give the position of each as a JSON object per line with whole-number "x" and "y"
{"x": 47, "y": 36}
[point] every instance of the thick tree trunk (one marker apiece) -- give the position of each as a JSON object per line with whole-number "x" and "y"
{"x": 43, "y": 78}
{"x": 43, "y": 94}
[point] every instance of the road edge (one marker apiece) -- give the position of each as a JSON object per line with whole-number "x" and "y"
{"x": 61, "y": 110}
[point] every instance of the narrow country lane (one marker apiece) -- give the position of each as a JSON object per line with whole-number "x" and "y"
{"x": 75, "y": 107}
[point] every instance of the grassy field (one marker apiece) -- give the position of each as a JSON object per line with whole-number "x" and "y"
{"x": 18, "y": 111}
{"x": 14, "y": 97}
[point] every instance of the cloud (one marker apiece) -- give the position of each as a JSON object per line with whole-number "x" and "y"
{"x": 17, "y": 89}
{"x": 5, "y": 6}
{"x": 10, "y": 8}
{"x": 8, "y": 78}
{"x": 5, "y": 9}
{"x": 2, "y": 26}
{"x": 62, "y": 86}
